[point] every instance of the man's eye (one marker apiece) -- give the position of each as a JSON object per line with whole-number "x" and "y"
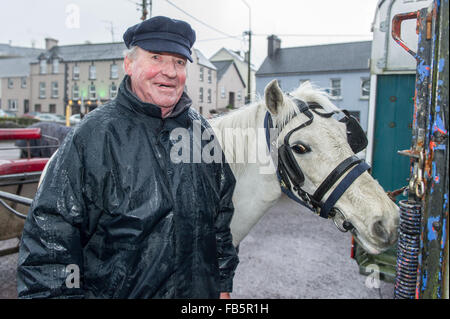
{"x": 181, "y": 62}
{"x": 155, "y": 57}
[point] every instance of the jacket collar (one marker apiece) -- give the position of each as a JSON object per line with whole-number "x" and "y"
{"x": 129, "y": 100}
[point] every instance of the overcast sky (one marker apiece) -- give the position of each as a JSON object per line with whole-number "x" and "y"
{"x": 297, "y": 22}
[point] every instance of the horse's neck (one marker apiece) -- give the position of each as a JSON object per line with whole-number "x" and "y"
{"x": 257, "y": 188}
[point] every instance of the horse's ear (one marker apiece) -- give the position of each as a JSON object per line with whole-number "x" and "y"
{"x": 273, "y": 96}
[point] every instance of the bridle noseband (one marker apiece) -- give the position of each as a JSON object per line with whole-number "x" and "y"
{"x": 291, "y": 177}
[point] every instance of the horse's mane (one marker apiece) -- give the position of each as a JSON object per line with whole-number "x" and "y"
{"x": 249, "y": 115}
{"x": 246, "y": 116}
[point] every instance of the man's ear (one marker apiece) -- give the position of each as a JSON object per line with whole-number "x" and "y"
{"x": 127, "y": 65}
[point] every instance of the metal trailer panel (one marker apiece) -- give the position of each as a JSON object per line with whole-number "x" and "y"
{"x": 387, "y": 57}
{"x": 431, "y": 138}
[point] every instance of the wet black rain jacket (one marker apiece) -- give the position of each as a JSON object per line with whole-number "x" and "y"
{"x": 134, "y": 223}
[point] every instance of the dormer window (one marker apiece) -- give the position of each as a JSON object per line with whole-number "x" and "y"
{"x": 43, "y": 67}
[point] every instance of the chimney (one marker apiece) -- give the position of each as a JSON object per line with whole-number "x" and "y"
{"x": 274, "y": 43}
{"x": 50, "y": 43}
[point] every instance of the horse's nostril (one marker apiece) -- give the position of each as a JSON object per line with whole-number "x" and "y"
{"x": 380, "y": 231}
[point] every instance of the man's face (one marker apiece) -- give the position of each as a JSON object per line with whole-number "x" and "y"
{"x": 157, "y": 78}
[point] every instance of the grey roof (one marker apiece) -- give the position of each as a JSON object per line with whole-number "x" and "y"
{"x": 222, "y": 68}
{"x": 202, "y": 60}
{"x": 233, "y": 54}
{"x": 86, "y": 52}
{"x": 8, "y": 51}
{"x": 15, "y": 67}
{"x": 318, "y": 58}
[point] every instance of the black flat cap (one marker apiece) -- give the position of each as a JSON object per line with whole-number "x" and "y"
{"x": 162, "y": 34}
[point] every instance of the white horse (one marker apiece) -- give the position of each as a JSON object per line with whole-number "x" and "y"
{"x": 364, "y": 204}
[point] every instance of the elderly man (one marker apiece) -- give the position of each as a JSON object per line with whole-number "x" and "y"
{"x": 114, "y": 216}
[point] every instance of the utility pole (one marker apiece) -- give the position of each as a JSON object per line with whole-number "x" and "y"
{"x": 249, "y": 59}
{"x": 144, "y": 10}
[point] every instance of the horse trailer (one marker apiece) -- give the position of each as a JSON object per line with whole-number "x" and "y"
{"x": 408, "y": 141}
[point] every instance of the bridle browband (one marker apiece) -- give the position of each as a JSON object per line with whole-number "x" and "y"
{"x": 291, "y": 177}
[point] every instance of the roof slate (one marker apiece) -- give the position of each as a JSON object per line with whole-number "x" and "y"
{"x": 17, "y": 67}
{"x": 87, "y": 52}
{"x": 318, "y": 58}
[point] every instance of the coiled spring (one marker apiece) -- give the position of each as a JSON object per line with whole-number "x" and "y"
{"x": 408, "y": 250}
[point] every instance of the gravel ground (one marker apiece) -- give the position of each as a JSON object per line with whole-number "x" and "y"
{"x": 289, "y": 254}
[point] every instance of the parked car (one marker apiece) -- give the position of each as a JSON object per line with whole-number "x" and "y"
{"x": 31, "y": 114}
{"x": 76, "y": 118}
{"x": 4, "y": 113}
{"x": 50, "y": 117}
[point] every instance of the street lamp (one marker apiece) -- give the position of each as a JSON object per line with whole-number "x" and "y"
{"x": 249, "y": 33}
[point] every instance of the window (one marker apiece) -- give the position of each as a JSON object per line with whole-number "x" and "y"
{"x": 202, "y": 70}
{"x": 112, "y": 91}
{"x": 37, "y": 108}
{"x": 114, "y": 71}
{"x": 222, "y": 92}
{"x": 209, "y": 96}
{"x": 43, "y": 67}
{"x": 336, "y": 88}
{"x": 76, "y": 72}
{"x": 239, "y": 95}
{"x": 209, "y": 76}
{"x": 52, "y": 108}
{"x": 23, "y": 82}
{"x": 55, "y": 90}
{"x": 92, "y": 92}
{"x": 55, "y": 66}
{"x": 200, "y": 95}
{"x": 92, "y": 72}
{"x": 10, "y": 83}
{"x": 12, "y": 105}
{"x": 365, "y": 88}
{"x": 42, "y": 90}
{"x": 75, "y": 92}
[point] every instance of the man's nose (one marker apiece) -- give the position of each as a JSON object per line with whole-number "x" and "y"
{"x": 169, "y": 69}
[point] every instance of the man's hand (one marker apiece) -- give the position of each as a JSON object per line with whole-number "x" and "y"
{"x": 225, "y": 295}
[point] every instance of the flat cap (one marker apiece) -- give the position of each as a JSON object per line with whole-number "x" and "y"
{"x": 162, "y": 34}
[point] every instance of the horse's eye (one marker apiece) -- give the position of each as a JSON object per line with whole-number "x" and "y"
{"x": 301, "y": 148}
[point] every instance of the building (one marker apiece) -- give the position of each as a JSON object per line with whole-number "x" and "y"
{"x": 88, "y": 75}
{"x": 201, "y": 84}
{"x": 14, "y": 76}
{"x": 230, "y": 86}
{"x": 242, "y": 66}
{"x": 342, "y": 69}
{"x": 15, "y": 84}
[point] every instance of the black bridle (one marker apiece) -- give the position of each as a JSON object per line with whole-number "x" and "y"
{"x": 291, "y": 177}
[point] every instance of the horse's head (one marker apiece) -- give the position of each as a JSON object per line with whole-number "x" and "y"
{"x": 318, "y": 145}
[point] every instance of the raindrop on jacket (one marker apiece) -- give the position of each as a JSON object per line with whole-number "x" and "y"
{"x": 137, "y": 225}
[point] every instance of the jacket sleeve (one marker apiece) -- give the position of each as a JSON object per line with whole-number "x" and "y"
{"x": 227, "y": 255}
{"x": 50, "y": 256}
